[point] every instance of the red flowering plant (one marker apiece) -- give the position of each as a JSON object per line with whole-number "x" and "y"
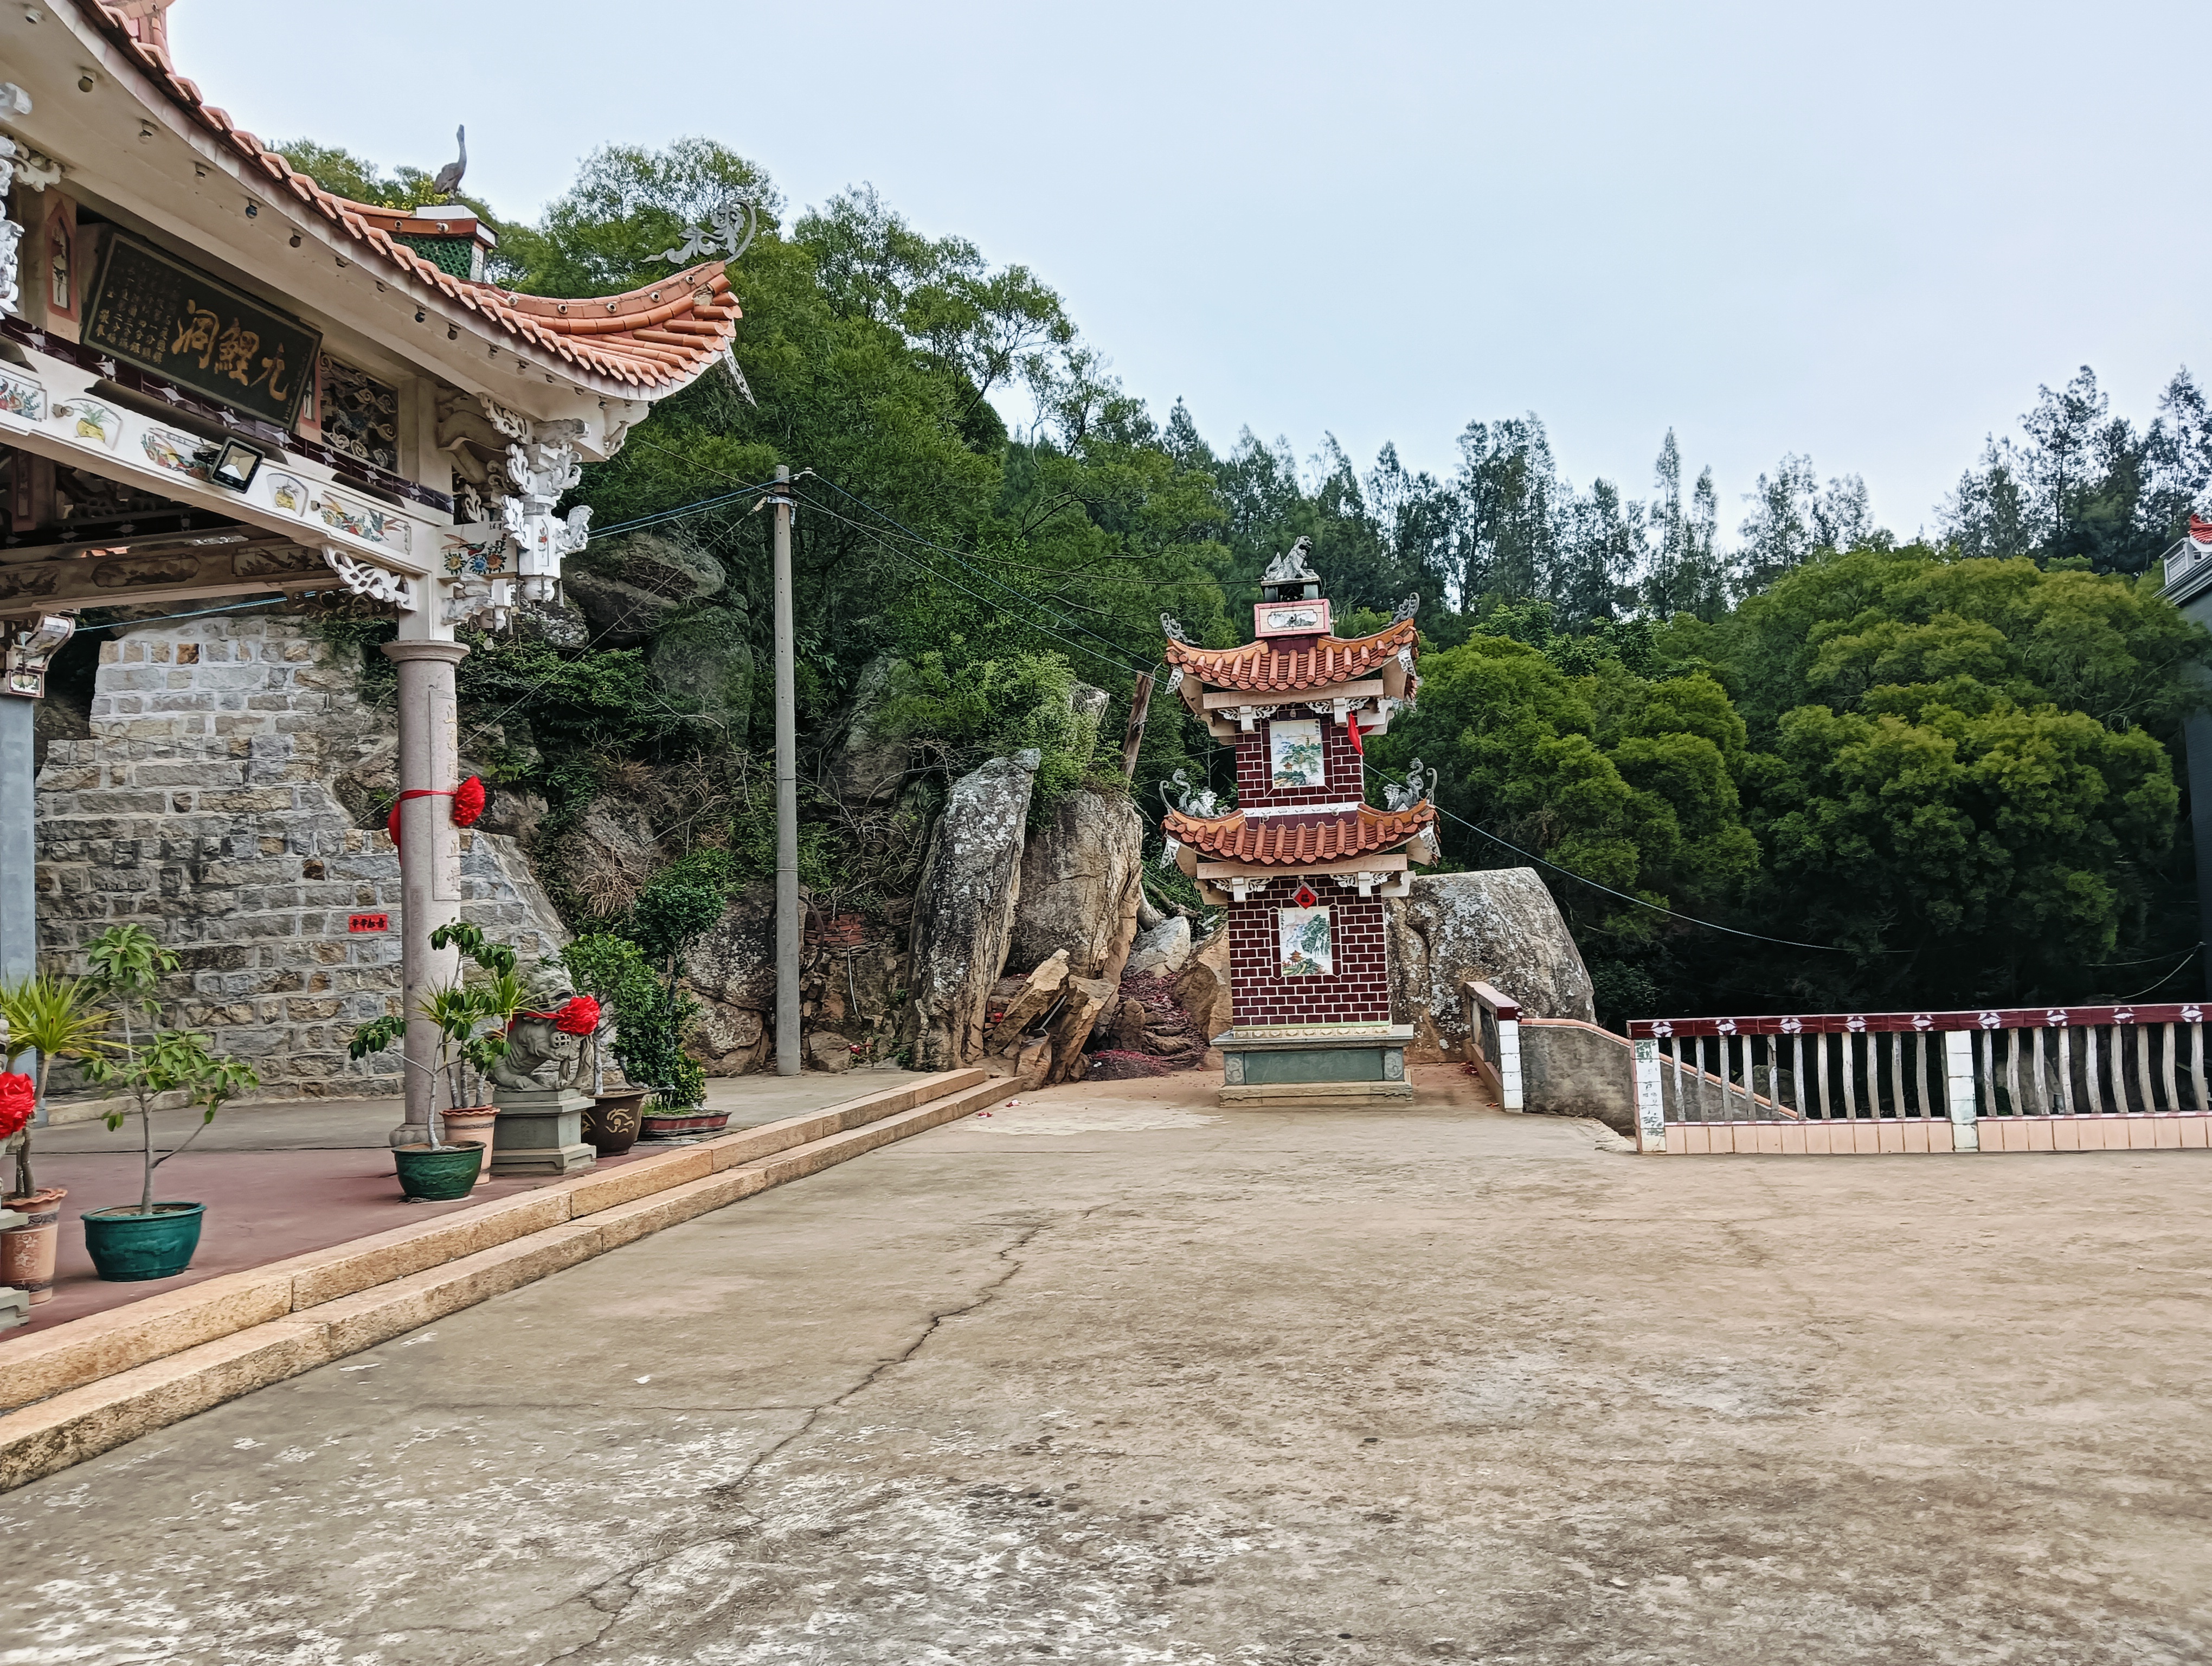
{"x": 19, "y": 1103}
{"x": 56, "y": 1018}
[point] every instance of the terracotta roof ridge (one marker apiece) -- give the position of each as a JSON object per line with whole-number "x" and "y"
{"x": 706, "y": 312}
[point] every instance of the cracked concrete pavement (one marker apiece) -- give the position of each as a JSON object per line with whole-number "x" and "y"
{"x": 1115, "y": 1377}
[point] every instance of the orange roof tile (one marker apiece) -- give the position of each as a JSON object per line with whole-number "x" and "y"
{"x": 655, "y": 339}
{"x": 1289, "y": 839}
{"x": 1264, "y": 667}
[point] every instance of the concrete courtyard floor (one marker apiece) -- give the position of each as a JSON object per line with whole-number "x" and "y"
{"x": 1114, "y": 1376}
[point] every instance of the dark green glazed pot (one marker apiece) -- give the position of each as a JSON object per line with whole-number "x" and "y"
{"x": 126, "y": 1246}
{"x": 436, "y": 1176}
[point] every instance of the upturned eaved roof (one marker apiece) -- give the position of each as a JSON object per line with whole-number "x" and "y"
{"x": 656, "y": 339}
{"x": 1322, "y": 662}
{"x": 1288, "y": 840}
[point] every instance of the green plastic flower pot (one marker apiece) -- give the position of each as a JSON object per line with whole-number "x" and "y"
{"x": 126, "y": 1246}
{"x": 437, "y": 1177}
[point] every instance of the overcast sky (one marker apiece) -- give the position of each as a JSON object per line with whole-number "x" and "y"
{"x": 1864, "y": 231}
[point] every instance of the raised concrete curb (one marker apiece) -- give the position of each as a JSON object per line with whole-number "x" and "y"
{"x": 87, "y": 1387}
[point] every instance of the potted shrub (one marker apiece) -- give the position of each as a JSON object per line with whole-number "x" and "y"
{"x": 151, "y": 1240}
{"x": 672, "y": 914}
{"x": 471, "y": 1020}
{"x": 497, "y": 998}
{"x": 611, "y": 971}
{"x": 56, "y": 1017}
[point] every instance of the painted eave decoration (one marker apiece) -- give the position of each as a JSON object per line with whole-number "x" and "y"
{"x": 1324, "y": 662}
{"x": 652, "y": 341}
{"x": 1290, "y": 841}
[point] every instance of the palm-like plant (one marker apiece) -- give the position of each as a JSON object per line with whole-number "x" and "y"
{"x": 471, "y": 1020}
{"x": 56, "y": 1017}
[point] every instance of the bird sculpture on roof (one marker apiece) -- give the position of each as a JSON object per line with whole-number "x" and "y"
{"x": 449, "y": 177}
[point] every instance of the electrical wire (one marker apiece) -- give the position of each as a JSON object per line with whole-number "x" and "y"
{"x": 955, "y": 556}
{"x": 202, "y": 613}
{"x": 1686, "y": 919}
{"x": 2178, "y": 967}
{"x": 1120, "y": 659}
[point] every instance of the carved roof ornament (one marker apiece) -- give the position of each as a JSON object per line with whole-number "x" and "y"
{"x": 1175, "y": 632}
{"x": 728, "y": 232}
{"x": 1201, "y": 802}
{"x": 653, "y": 340}
{"x": 1419, "y": 784}
{"x": 1407, "y": 609}
{"x": 1291, "y": 567}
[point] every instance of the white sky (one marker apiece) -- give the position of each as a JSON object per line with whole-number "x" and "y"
{"x": 1865, "y": 232}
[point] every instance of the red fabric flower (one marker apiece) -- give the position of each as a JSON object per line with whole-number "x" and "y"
{"x": 580, "y": 1017}
{"x": 19, "y": 1099}
{"x": 468, "y": 802}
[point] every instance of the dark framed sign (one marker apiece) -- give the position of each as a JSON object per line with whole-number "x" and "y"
{"x": 149, "y": 309}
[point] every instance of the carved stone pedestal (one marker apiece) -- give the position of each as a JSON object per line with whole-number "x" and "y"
{"x": 540, "y": 1131}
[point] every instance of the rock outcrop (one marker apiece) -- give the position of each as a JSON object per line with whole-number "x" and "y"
{"x": 963, "y": 915}
{"x": 1499, "y": 925}
{"x": 732, "y": 970}
{"x": 1080, "y": 887}
{"x": 1162, "y": 951}
{"x": 704, "y": 661}
{"x": 869, "y": 764}
{"x": 627, "y": 587}
{"x": 1202, "y": 989}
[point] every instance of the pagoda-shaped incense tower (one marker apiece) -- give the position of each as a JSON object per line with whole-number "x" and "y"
{"x": 1302, "y": 863}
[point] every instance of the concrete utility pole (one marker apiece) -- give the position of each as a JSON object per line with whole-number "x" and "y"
{"x": 787, "y": 797}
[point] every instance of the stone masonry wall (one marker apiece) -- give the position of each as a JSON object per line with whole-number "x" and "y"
{"x": 1357, "y": 992}
{"x": 201, "y": 808}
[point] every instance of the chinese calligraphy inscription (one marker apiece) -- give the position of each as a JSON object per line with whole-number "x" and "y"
{"x": 161, "y": 315}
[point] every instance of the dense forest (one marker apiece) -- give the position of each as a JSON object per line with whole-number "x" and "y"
{"x": 1792, "y": 763}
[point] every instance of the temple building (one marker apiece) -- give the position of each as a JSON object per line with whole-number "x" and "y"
{"x": 1304, "y": 862}
{"x": 219, "y": 382}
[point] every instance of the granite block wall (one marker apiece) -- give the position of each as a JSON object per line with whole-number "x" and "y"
{"x": 201, "y": 808}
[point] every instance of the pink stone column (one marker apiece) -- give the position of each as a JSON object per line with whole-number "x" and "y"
{"x": 430, "y": 858}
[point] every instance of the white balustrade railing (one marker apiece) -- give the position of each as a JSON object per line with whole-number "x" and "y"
{"x": 1959, "y": 1067}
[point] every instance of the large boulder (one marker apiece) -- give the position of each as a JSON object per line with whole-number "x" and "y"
{"x": 1080, "y": 887}
{"x": 870, "y": 764}
{"x": 1202, "y": 990}
{"x": 1162, "y": 951}
{"x": 704, "y": 661}
{"x": 626, "y": 586}
{"x": 1499, "y": 925}
{"x": 964, "y": 913}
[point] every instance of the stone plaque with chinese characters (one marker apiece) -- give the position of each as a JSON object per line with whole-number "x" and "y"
{"x": 161, "y": 315}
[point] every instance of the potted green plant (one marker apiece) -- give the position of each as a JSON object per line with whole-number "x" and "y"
{"x": 497, "y": 997}
{"x": 151, "y": 1240}
{"x": 670, "y": 915}
{"x": 471, "y": 1020}
{"x": 611, "y": 971}
{"x": 55, "y": 1018}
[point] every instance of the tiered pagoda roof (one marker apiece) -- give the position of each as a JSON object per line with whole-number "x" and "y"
{"x": 1291, "y": 840}
{"x": 1296, "y": 665}
{"x": 653, "y": 340}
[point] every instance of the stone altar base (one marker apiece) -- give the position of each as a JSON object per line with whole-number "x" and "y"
{"x": 1318, "y": 1064}
{"x": 540, "y": 1131}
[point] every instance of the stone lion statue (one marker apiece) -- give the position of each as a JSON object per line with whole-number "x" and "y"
{"x": 540, "y": 1056}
